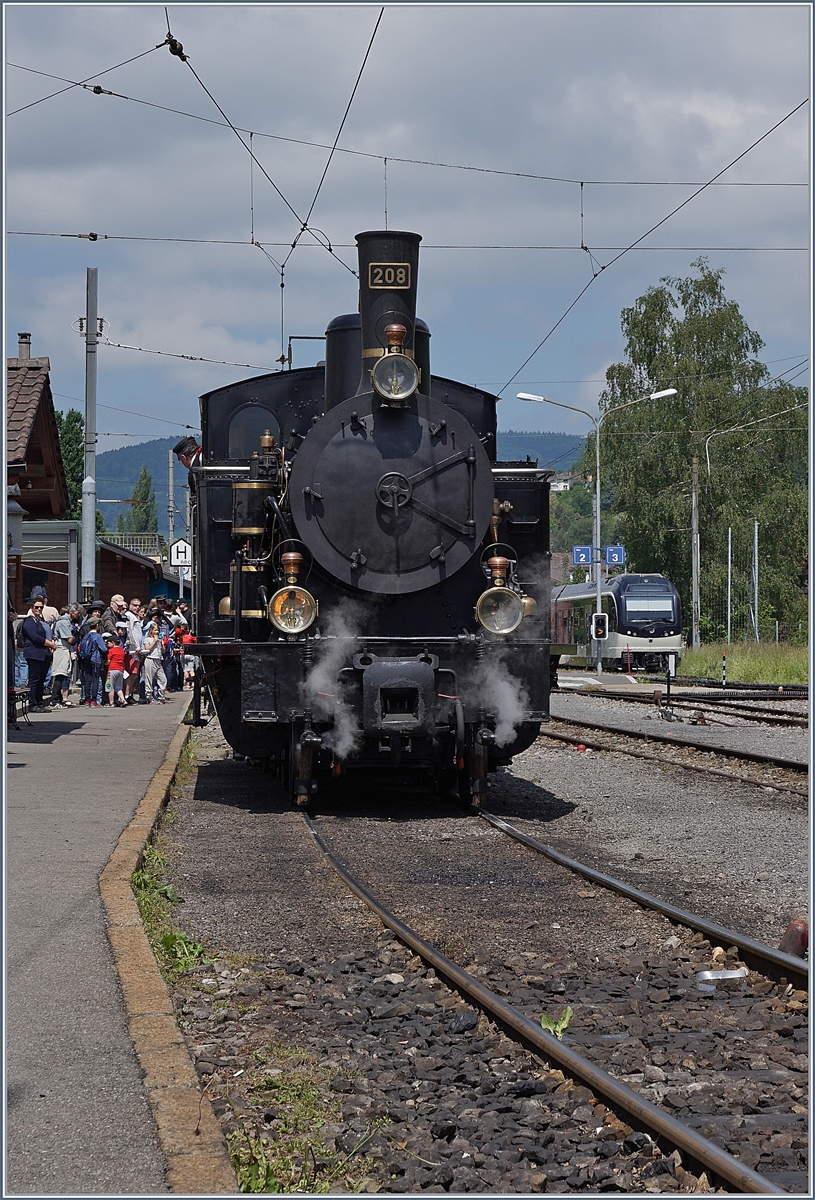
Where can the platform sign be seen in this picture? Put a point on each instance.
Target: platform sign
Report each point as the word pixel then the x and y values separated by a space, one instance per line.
pixel 581 556
pixel 614 556
pixel 181 554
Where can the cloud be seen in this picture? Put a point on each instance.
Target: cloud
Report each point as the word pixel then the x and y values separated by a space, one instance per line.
pixel 593 93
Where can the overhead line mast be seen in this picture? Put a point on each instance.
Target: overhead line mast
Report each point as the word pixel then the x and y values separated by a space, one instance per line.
pixel 89 480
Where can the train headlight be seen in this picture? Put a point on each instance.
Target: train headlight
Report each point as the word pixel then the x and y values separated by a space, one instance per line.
pixel 500 610
pixel 395 377
pixel 292 609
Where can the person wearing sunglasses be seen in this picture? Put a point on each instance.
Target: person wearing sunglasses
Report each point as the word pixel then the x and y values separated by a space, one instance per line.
pixel 38 648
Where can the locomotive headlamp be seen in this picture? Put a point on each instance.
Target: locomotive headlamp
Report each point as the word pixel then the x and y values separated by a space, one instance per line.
pixel 499 610
pixel 292 609
pixel 395 376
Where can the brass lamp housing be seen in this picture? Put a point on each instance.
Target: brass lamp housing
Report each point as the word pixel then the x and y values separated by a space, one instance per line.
pixel 292 609
pixel 384 371
pixel 499 610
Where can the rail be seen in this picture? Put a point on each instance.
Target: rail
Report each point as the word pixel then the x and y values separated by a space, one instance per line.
pixel 757 955
pixel 727 1168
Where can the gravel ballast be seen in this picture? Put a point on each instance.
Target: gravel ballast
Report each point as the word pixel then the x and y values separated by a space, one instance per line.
pixel 307 984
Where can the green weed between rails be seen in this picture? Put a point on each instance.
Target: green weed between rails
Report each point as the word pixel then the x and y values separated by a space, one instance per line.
pixel 558 1027
pixel 753 662
pixel 174 950
pixel 291 1157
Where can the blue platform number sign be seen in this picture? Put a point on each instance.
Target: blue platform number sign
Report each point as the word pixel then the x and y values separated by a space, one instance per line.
pixel 581 556
pixel 614 556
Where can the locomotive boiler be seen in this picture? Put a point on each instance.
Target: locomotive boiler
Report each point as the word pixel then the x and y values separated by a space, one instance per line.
pixel 373 586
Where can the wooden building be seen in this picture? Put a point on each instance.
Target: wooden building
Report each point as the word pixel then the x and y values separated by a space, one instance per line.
pixel 50 545
pixel 34 466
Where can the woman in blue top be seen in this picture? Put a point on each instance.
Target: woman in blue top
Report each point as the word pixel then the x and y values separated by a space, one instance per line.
pixel 37 650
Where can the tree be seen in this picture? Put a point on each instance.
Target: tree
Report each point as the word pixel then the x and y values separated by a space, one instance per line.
pixel 686 334
pixel 142 517
pixel 71 429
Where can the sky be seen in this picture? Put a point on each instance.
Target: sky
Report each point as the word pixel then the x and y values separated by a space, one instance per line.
pixel 641 103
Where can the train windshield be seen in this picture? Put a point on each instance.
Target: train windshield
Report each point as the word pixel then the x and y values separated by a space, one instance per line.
pixel 660 607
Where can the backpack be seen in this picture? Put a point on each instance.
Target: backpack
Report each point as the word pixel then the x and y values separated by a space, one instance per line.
pixel 19 636
pixel 86 646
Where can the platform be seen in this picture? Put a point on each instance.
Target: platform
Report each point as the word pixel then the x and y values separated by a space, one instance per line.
pixel 78 1120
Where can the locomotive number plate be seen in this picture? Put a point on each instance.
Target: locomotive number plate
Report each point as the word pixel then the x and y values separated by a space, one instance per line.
pixel 393 276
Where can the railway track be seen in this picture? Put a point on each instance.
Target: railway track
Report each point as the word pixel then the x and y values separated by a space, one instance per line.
pixel 788 691
pixel 777 772
pixel 631 1104
pixel 417 1091
pixel 711 705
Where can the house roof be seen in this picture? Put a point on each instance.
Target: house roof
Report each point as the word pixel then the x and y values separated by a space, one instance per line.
pixel 27 379
pixel 132 556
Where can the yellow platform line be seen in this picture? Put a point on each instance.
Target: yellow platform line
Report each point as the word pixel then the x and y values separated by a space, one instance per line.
pixel 191 1138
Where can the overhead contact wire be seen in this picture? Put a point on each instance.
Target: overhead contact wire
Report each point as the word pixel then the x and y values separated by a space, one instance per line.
pixel 83 82
pixel 672 213
pixel 337 138
pixel 278 137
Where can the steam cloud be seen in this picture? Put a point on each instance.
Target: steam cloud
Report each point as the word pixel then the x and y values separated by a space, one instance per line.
pixel 506 699
pixel 321 689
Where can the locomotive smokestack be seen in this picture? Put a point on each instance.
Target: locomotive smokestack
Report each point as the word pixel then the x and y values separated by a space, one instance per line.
pixel 388 267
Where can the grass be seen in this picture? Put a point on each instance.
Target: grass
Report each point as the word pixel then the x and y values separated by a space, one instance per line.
pixel 291 1158
pixel 174 950
pixel 762 662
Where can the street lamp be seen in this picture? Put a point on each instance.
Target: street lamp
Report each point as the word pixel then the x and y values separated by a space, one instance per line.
pixel 598 420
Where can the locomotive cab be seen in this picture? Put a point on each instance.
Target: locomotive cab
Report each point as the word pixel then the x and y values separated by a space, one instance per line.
pixel 373 587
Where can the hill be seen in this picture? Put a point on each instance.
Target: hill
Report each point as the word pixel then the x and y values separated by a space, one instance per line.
pixel 118 470
pixel 557 450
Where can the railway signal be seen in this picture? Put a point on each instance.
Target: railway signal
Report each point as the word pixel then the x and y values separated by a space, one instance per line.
pixel 599 626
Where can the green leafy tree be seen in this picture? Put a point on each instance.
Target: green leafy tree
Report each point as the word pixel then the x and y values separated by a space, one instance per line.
pixel 142 516
pixel 71 429
pixel 688 335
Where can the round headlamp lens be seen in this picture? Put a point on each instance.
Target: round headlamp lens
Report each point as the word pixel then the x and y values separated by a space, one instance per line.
pixel 395 377
pixel 499 610
pixel 292 609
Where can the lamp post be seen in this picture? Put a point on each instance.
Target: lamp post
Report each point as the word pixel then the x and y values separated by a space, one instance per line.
pixel 597 421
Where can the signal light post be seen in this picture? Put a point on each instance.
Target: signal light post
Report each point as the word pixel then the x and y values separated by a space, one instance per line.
pixel 597 421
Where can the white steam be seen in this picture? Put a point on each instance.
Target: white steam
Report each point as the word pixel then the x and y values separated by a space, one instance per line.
pixel 321 688
pixel 505 698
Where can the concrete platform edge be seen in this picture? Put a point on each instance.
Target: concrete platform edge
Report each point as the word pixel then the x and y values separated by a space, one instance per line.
pixel 193 1144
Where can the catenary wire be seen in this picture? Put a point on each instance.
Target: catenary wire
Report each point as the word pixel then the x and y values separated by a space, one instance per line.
pixel 674 378
pixel 635 243
pixel 190 357
pixel 314 233
pixel 337 138
pixel 80 84
pixel 244 241
pixel 130 412
pixel 416 161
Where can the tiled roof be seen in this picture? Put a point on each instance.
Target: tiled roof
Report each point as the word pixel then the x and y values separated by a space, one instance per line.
pixel 26 379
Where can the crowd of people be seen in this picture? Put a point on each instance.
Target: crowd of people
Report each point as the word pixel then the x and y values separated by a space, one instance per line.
pixel 116 654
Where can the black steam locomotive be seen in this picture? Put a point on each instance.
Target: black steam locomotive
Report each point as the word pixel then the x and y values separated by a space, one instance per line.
pixel 372 587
